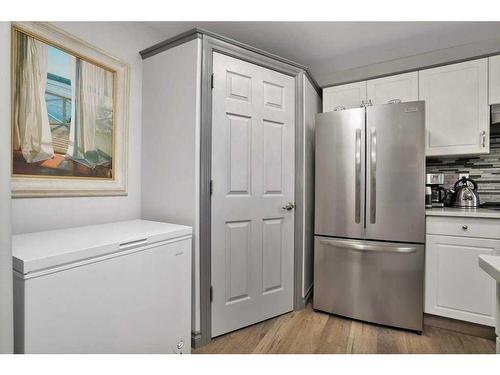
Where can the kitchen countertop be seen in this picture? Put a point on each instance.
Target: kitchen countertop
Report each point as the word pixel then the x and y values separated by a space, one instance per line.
pixel 491 265
pixel 463 212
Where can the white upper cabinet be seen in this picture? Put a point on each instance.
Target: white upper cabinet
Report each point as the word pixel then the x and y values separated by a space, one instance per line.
pixel 456 102
pixel 403 87
pixel 494 74
pixel 352 95
pixel 456 108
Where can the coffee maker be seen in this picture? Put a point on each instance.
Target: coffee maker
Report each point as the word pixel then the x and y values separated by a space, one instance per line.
pixel 434 190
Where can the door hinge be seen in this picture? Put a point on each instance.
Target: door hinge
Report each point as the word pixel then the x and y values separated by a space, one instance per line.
pixel 211 187
pixel 211 293
pixel 212 80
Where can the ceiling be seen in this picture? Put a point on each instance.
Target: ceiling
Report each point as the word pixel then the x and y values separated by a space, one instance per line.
pixel 342 51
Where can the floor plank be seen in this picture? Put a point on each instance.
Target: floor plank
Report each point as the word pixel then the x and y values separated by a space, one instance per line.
pixel 309 331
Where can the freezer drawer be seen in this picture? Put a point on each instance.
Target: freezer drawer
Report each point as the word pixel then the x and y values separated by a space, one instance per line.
pixel 375 281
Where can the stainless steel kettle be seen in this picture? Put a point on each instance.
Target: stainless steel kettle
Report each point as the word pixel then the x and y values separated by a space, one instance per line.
pixel 464 196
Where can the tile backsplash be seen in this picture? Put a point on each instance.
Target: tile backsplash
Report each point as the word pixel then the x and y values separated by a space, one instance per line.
pixel 484 169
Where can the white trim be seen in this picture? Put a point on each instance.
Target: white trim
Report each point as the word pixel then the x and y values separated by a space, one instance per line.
pixel 196 225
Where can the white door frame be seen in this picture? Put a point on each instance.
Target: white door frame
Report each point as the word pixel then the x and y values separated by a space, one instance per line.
pixel 237 50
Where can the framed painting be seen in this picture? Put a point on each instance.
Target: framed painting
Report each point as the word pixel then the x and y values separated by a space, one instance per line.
pixel 69 115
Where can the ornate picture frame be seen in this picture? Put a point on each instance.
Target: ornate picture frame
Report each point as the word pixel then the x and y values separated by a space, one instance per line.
pixel 87 153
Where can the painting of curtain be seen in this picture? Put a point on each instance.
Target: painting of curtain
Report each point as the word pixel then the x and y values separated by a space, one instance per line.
pixel 91 122
pixel 31 130
pixel 63 121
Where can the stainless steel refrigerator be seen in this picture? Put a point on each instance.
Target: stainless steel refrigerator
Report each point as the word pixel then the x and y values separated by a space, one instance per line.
pixel 370 214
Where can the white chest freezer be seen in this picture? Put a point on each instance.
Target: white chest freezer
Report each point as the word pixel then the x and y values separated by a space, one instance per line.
pixel 121 287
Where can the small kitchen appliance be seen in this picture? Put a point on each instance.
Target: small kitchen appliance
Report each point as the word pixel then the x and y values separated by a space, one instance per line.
pixel 428 197
pixel 435 181
pixel 465 195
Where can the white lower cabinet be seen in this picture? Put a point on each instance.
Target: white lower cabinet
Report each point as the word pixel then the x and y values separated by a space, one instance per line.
pixel 455 286
pixel 497 328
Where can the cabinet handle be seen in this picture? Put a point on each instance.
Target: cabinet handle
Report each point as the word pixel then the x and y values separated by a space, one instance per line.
pixel 483 137
pixel 465 227
pixel 394 101
pixel 367 103
pixel 339 108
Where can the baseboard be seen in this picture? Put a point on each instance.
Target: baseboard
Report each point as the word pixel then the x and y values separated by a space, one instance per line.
pixel 196 340
pixel 302 303
pixel 308 296
pixel 461 326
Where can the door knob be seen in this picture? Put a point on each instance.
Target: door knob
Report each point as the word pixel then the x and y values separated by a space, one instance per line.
pixel 289 206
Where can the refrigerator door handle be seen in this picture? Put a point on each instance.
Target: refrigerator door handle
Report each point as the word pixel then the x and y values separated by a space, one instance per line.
pixel 357 246
pixel 357 192
pixel 373 176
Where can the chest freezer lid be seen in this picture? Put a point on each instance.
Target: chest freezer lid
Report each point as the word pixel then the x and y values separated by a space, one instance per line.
pixel 43 250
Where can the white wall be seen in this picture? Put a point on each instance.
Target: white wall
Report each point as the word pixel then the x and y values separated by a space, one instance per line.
pixel 312 106
pixel 6 327
pixel 171 129
pixel 124 41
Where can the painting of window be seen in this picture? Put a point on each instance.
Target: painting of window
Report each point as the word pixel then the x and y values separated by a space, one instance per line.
pixel 62 112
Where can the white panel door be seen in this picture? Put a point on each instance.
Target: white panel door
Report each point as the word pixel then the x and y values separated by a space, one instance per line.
pixel 403 87
pixel 455 286
pixel 456 108
pixel 253 178
pixel 352 95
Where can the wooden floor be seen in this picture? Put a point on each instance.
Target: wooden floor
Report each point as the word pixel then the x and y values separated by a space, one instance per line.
pixel 308 331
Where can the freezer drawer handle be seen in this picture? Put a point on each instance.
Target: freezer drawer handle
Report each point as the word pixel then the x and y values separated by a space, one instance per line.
pixel 369 247
pixel 357 193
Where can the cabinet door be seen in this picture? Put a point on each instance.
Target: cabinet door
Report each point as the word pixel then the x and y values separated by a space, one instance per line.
pixel 455 286
pixel 351 95
pixel 456 108
pixel 494 77
pixel 403 87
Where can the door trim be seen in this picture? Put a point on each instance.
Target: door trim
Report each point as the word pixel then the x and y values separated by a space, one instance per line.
pixel 199 33
pixel 211 45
